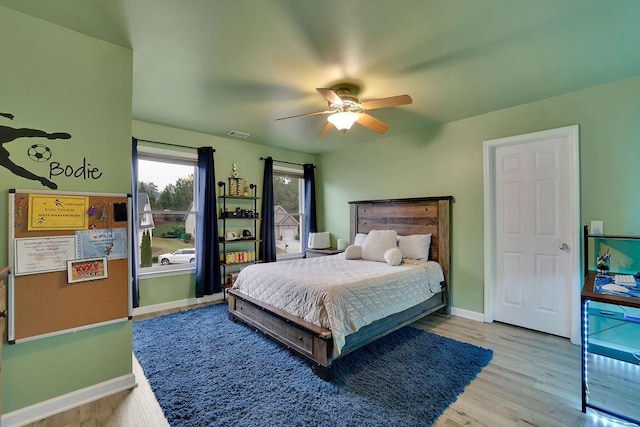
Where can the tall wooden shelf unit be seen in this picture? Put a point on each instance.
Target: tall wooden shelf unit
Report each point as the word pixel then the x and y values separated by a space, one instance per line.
pixel 244 216
pixel 610 345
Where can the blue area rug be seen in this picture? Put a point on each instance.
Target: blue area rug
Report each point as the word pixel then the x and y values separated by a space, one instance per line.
pixel 208 371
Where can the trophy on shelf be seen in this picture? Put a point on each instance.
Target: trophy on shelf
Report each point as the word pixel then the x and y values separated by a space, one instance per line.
pixel 603 263
pixel 236 185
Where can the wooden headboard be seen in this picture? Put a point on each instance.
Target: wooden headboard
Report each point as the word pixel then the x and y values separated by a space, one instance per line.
pixel 423 215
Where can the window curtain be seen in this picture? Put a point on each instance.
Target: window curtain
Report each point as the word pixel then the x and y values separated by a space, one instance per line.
pixel 310 221
pixel 267 225
pixel 208 279
pixel 135 263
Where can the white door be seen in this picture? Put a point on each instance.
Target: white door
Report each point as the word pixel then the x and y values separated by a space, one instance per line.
pixel 535 251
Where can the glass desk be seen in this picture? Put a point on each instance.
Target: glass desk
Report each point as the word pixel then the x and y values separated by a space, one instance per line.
pixel 610 349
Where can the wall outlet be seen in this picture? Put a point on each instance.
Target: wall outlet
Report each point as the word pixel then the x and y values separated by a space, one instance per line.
pixel 597 227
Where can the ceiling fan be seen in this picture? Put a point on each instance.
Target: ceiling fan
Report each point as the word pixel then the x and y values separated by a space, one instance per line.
pixel 346 109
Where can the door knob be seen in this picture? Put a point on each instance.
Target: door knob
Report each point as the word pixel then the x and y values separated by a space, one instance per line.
pixel 564 247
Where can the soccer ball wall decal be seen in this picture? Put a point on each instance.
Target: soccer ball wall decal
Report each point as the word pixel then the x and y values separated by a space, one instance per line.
pixel 39 153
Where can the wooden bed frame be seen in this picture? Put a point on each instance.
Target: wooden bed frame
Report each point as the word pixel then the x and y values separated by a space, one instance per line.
pixel 406 216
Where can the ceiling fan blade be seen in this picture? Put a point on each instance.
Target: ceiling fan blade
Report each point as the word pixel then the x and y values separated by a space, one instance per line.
pixel 372 123
pixel 307 114
pixel 386 102
pixel 325 130
pixel 330 95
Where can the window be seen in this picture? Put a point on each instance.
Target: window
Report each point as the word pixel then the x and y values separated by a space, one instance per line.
pixel 288 192
pixel 167 209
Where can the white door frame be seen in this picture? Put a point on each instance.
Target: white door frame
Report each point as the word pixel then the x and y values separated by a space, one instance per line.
pixel 489 149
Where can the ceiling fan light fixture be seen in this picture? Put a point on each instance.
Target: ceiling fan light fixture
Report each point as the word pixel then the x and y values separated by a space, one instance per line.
pixel 343 120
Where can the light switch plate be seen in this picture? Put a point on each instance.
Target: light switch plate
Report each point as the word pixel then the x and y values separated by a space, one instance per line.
pixel 597 227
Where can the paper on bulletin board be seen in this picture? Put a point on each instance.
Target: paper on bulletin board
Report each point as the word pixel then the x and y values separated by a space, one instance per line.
pixel 43 254
pixel 52 212
pixel 102 242
pixel 82 270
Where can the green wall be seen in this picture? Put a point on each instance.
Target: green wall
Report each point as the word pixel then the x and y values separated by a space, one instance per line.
pixel 447 160
pixel 158 290
pixel 57 80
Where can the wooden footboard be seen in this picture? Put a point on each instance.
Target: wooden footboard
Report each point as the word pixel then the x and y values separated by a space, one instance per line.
pixel 314 342
pixel 309 340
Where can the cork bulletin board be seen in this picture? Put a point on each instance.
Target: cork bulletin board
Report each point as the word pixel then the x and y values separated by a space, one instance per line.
pixel 69 254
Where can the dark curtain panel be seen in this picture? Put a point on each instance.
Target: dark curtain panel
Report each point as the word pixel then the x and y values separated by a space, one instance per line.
pixel 310 221
pixel 207 249
pixel 267 225
pixel 135 245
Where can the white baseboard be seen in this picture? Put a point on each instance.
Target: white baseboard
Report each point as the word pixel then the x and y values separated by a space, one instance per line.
pixel 467 314
pixel 67 401
pixel 147 309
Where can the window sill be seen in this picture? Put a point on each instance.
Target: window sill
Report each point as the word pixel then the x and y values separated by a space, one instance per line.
pixel 152 272
pixel 288 257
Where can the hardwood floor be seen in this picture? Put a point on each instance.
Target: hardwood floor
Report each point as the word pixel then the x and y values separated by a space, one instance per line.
pixel 133 408
pixel 533 380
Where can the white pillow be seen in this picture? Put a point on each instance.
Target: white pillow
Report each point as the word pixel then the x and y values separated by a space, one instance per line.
pixel 359 239
pixel 393 256
pixel 377 243
pixel 415 246
pixel 353 252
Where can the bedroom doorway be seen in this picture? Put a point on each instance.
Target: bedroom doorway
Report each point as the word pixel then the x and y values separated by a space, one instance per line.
pixel 532 231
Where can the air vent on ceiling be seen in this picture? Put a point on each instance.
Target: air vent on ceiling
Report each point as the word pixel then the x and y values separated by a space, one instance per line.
pixel 238 134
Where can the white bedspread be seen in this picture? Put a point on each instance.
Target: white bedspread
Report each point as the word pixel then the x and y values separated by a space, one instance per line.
pixel 339 294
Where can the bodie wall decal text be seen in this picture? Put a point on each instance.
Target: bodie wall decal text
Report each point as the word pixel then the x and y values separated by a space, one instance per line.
pixel 41 153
